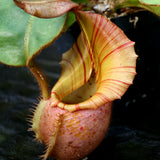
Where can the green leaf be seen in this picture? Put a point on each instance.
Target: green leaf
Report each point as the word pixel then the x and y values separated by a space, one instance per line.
pixel 22 35
pixel 150 5
pixel 151 2
pixel 70 20
pixel 81 1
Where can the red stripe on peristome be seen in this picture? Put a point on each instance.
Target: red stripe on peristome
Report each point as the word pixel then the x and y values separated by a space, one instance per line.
pixel 127 44
pixel 124 67
pixel 108 42
pixel 122 72
pixel 84 66
pixel 94 103
pixel 89 59
pixel 77 107
pixel 97 30
pixel 116 80
pixel 89 50
pixel 55 94
pixel 114 87
pixel 64 106
pixel 56 104
pixel 114 90
pixel 94 29
pixel 113 38
pixel 104 26
pixel 102 96
pixel 109 70
pixel 114 83
pixel 112 29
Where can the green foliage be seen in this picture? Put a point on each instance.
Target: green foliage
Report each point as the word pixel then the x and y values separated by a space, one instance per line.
pixel 70 20
pixel 22 35
pixel 81 1
pixel 151 2
pixel 150 5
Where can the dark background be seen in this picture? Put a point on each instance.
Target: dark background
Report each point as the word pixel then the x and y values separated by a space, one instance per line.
pixel 134 132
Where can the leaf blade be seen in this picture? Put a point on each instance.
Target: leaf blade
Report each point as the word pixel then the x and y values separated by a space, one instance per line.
pixel 14 24
pixel 152 6
pixel 153 2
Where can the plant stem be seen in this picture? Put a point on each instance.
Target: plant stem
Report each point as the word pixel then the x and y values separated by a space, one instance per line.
pixel 40 78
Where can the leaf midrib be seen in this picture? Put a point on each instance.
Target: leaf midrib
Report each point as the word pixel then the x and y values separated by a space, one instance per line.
pixel 27 37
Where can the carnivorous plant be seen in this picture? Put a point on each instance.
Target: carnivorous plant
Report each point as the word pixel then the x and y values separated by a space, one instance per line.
pixel 72 118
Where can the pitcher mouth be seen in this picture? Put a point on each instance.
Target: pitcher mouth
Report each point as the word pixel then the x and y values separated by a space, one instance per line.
pixel 83 93
pixel 80 95
pixel 103 47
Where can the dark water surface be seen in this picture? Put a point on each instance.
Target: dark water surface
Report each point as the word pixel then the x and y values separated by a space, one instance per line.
pixel 134 133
